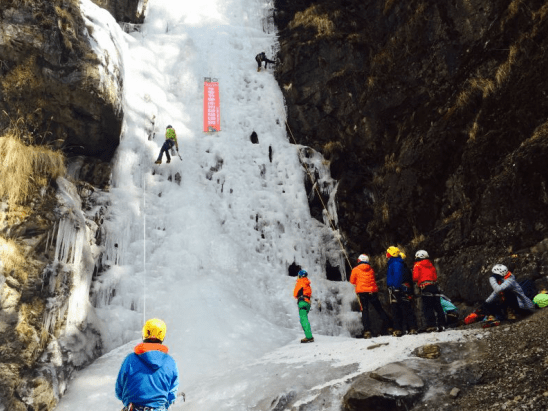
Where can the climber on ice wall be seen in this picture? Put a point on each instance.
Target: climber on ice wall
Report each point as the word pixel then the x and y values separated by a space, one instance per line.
pixel 259 58
pixel 171 140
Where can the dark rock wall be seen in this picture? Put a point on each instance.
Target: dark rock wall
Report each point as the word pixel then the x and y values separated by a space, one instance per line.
pixel 433 116
pixel 125 11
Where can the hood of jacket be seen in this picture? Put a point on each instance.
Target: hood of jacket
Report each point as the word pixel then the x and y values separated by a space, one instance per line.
pixel 153 355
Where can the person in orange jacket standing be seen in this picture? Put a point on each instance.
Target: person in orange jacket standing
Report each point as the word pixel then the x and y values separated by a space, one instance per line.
pixel 303 293
pixel 426 277
pixel 363 277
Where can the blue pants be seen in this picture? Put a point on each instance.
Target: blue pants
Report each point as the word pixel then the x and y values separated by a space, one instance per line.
pixel 168 144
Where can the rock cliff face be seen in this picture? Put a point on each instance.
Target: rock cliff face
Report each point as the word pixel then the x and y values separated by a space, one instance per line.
pixel 58 91
pixel 433 118
pixel 52 79
pixel 126 11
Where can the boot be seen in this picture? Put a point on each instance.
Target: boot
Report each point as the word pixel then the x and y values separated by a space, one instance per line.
pixel 158 162
pixel 413 332
pixel 168 160
pixel 367 335
pixel 307 340
pixel 396 333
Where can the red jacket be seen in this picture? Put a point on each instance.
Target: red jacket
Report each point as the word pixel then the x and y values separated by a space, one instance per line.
pixel 424 270
pixel 363 277
pixel 303 283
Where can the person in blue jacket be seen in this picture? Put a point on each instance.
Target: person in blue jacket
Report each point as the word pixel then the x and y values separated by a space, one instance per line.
pixel 400 291
pixel 149 378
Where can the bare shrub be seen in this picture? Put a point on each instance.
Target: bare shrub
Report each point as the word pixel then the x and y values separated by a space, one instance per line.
pixel 25 168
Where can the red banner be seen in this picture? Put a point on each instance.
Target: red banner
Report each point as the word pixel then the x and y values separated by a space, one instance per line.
pixel 212 106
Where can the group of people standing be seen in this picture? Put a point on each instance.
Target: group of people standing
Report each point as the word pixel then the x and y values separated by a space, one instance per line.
pixel 507 300
pixel 399 281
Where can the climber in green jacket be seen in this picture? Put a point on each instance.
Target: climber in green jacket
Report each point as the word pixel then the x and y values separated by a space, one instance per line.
pixel 171 140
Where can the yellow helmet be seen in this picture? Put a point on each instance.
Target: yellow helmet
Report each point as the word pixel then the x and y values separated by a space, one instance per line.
pixel 392 252
pixel 154 329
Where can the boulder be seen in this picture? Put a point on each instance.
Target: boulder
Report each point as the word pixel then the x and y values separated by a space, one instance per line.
pixel 392 387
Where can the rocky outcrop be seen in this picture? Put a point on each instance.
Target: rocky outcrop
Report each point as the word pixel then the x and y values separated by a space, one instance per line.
pixel 54 83
pixel 125 11
pixel 392 387
pixel 49 252
pixel 432 116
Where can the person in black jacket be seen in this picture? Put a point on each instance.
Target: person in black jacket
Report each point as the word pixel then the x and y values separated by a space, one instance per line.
pixel 259 58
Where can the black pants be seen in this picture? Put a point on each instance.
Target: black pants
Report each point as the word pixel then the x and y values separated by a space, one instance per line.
pixel 499 307
pixel 266 61
pixel 403 314
pixel 168 144
pixel 431 307
pixel 373 299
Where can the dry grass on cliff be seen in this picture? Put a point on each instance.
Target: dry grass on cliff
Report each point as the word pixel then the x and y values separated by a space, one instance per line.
pixel 313 18
pixel 10 255
pixel 25 168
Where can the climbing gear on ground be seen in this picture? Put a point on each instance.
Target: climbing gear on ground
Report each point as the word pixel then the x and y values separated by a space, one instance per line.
pixel 367 335
pixel 302 274
pixel 510 314
pixel 490 321
pixel 421 255
pixel 363 258
pixel 307 340
pixel 499 269
pixel 154 329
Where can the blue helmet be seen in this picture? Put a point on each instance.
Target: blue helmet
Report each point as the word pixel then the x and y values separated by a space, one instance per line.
pixel 303 273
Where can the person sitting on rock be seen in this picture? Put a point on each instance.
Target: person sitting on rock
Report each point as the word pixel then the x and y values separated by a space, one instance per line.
pixel 363 277
pixel 171 140
pixel 259 58
pixel 426 277
pixel 507 298
pixel 400 290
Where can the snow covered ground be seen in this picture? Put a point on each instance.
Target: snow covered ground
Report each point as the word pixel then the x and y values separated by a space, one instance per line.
pixel 209 254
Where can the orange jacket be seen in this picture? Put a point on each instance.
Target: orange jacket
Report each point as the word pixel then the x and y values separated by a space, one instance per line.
pixel 424 270
pixel 303 283
pixel 363 277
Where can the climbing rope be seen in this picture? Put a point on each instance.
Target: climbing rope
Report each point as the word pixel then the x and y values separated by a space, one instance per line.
pixel 315 187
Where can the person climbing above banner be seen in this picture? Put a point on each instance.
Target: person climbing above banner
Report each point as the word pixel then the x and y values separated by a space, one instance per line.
pixel 426 277
pixel 171 140
pixel 363 277
pixel 259 58
pixel 400 291
pixel 148 378
pixel 303 293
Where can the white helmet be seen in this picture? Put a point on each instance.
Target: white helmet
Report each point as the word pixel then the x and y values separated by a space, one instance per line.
pixel 363 258
pixel 421 255
pixel 499 269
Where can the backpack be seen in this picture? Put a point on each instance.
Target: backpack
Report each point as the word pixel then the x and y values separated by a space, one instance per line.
pixel 529 288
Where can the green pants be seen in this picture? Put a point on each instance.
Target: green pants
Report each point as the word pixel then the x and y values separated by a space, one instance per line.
pixel 304 308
